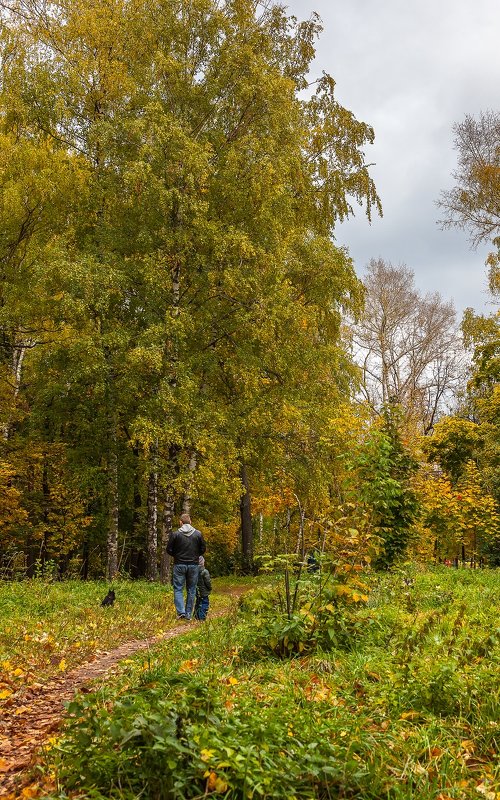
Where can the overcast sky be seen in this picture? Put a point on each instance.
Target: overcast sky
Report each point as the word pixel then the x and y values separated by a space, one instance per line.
pixel 412 69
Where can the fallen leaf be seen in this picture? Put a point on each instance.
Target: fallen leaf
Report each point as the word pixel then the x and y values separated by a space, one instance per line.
pixel 410 715
pixel 31 791
pixel 21 710
pixel 189 665
pixel 482 789
pixel 211 781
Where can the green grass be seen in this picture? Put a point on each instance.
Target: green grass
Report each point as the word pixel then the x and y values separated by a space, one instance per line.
pixel 49 628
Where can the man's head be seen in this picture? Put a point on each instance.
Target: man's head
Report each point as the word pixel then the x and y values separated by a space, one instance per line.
pixel 185 519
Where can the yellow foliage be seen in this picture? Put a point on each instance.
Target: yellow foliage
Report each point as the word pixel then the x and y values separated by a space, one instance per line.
pixel 11 512
pixel 454 516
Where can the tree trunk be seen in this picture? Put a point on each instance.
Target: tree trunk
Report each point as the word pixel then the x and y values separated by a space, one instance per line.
pixel 45 514
pixel 136 516
pixel 276 542
pixel 85 560
pixel 246 522
pixel 152 535
pixel 300 548
pixel 187 499
pixel 18 353
pixel 113 500
pixel 166 530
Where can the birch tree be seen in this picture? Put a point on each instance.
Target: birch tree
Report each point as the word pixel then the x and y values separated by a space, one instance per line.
pixel 407 345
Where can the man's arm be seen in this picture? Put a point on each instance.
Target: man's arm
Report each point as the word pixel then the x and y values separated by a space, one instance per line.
pixel 203 546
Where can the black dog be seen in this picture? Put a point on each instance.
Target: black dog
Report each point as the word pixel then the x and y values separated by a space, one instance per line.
pixel 109 599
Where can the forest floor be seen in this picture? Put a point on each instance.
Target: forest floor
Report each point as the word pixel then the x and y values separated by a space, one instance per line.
pixel 32 713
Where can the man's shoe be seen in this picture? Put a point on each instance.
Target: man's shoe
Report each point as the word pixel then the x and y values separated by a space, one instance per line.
pixel 181 616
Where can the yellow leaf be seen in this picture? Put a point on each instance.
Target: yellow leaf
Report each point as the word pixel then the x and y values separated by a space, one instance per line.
pixel 5 693
pixel 62 665
pixel 31 791
pixel 206 755
pixel 233 681
pixel 220 785
pixel 409 715
pixel 211 781
pixel 18 672
pixel 189 665
pixel 4 767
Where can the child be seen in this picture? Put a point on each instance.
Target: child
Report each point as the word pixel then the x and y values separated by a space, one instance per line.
pixel 203 590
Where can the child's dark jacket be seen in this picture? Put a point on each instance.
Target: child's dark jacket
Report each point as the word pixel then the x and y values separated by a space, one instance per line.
pixel 204 586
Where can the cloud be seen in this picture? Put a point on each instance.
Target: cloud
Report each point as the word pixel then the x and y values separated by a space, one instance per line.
pixel 412 71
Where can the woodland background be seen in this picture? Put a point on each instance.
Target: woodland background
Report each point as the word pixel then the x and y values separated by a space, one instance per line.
pixel 179 330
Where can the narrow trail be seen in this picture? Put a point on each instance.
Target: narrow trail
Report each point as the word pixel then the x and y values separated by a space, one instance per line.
pixel 25 729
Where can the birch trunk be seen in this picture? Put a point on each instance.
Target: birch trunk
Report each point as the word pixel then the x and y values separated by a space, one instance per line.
pixel 18 353
pixel 187 499
pixel 300 548
pixel 166 530
pixel 152 526
pixel 246 522
pixel 112 541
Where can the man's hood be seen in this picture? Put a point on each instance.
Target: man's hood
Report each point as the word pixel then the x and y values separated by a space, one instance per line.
pixel 187 529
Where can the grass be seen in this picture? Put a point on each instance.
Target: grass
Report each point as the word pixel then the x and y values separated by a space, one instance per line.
pixel 409 710
pixel 49 628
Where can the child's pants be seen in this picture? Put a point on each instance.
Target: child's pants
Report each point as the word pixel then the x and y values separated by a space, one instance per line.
pixel 201 607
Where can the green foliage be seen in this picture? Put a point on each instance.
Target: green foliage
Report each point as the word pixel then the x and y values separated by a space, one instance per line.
pixel 453 443
pixel 305 613
pixel 383 467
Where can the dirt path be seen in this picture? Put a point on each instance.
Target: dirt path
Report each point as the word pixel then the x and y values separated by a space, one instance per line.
pixel 26 727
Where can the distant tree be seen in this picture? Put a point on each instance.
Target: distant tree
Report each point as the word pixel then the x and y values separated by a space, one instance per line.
pixel 473 204
pixel 454 442
pixel 407 345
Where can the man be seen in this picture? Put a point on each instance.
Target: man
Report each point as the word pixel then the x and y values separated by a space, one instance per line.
pixel 185 545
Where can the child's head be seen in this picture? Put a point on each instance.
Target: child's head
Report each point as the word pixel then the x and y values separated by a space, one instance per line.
pixel 201 562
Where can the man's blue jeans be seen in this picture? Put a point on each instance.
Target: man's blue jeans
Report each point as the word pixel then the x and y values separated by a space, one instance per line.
pixel 185 576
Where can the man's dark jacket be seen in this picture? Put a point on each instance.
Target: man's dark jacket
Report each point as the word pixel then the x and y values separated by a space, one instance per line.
pixel 186 545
